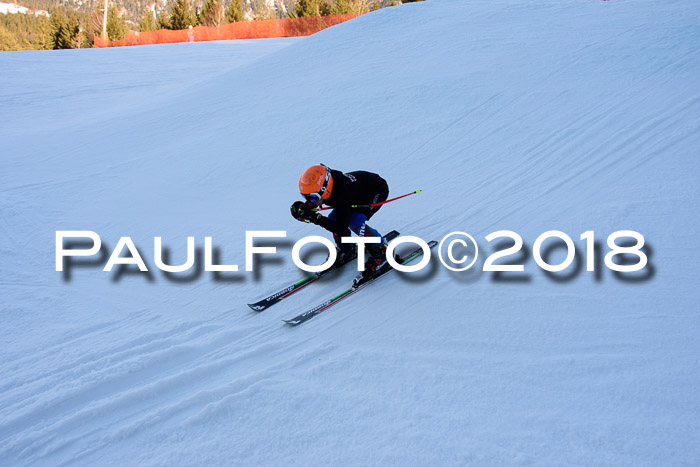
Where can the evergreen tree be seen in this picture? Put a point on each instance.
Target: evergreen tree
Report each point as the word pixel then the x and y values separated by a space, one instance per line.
pixel 235 11
pixel 64 29
pixel 163 21
pixel 312 8
pixel 212 13
pixel 116 25
pixel 182 15
pixel 350 6
pixel 76 23
pixel 148 23
pixel 25 32
pixel 8 40
pixel 40 36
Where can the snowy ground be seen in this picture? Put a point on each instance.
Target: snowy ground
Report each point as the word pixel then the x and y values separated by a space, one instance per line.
pixel 510 115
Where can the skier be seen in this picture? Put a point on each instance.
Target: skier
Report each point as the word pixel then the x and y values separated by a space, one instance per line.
pixel 350 195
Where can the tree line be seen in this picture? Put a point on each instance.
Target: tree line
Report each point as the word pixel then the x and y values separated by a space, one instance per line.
pixel 69 29
pixel 65 29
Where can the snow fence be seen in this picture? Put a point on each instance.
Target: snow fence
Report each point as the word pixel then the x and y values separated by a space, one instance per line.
pixel 288 27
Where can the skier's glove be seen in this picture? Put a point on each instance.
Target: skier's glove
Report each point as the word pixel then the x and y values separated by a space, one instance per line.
pixel 305 212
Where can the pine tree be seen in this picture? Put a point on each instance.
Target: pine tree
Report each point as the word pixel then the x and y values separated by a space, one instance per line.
pixel 212 13
pixel 25 32
pixel 148 22
pixel 64 29
pixel 163 21
pixel 235 11
pixel 8 40
pixel 312 8
pixel 116 25
pixel 182 15
pixel 41 35
pixel 350 6
pixel 76 23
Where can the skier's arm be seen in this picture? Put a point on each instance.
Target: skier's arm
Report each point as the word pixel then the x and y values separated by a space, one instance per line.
pixel 340 225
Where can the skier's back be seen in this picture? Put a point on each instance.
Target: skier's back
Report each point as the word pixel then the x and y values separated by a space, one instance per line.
pixel 351 196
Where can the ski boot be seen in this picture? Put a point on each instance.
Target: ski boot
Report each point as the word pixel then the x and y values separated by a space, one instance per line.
pixel 344 253
pixel 375 261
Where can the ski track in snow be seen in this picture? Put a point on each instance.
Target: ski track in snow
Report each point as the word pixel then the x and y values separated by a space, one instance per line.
pixel 571 116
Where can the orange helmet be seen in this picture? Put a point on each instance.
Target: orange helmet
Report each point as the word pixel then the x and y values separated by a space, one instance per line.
pixel 316 179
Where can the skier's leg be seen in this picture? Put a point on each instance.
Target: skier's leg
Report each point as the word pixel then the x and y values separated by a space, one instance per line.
pixel 376 251
pixel 345 250
pixel 336 237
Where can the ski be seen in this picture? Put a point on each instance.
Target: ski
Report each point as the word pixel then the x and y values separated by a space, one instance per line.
pixel 280 295
pixel 307 315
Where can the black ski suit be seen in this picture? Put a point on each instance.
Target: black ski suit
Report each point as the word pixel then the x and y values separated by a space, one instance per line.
pixel 349 189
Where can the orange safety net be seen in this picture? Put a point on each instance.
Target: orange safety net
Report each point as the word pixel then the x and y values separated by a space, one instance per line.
pixel 289 27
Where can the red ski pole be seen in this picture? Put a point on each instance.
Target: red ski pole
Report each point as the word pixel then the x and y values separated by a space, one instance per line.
pixel 377 204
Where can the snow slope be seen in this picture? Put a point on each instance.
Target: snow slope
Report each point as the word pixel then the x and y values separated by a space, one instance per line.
pixel 524 116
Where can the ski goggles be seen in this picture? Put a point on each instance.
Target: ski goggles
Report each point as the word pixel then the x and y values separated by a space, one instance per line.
pixel 312 197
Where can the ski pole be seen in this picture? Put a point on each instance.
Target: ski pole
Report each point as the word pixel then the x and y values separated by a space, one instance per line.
pixel 377 204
